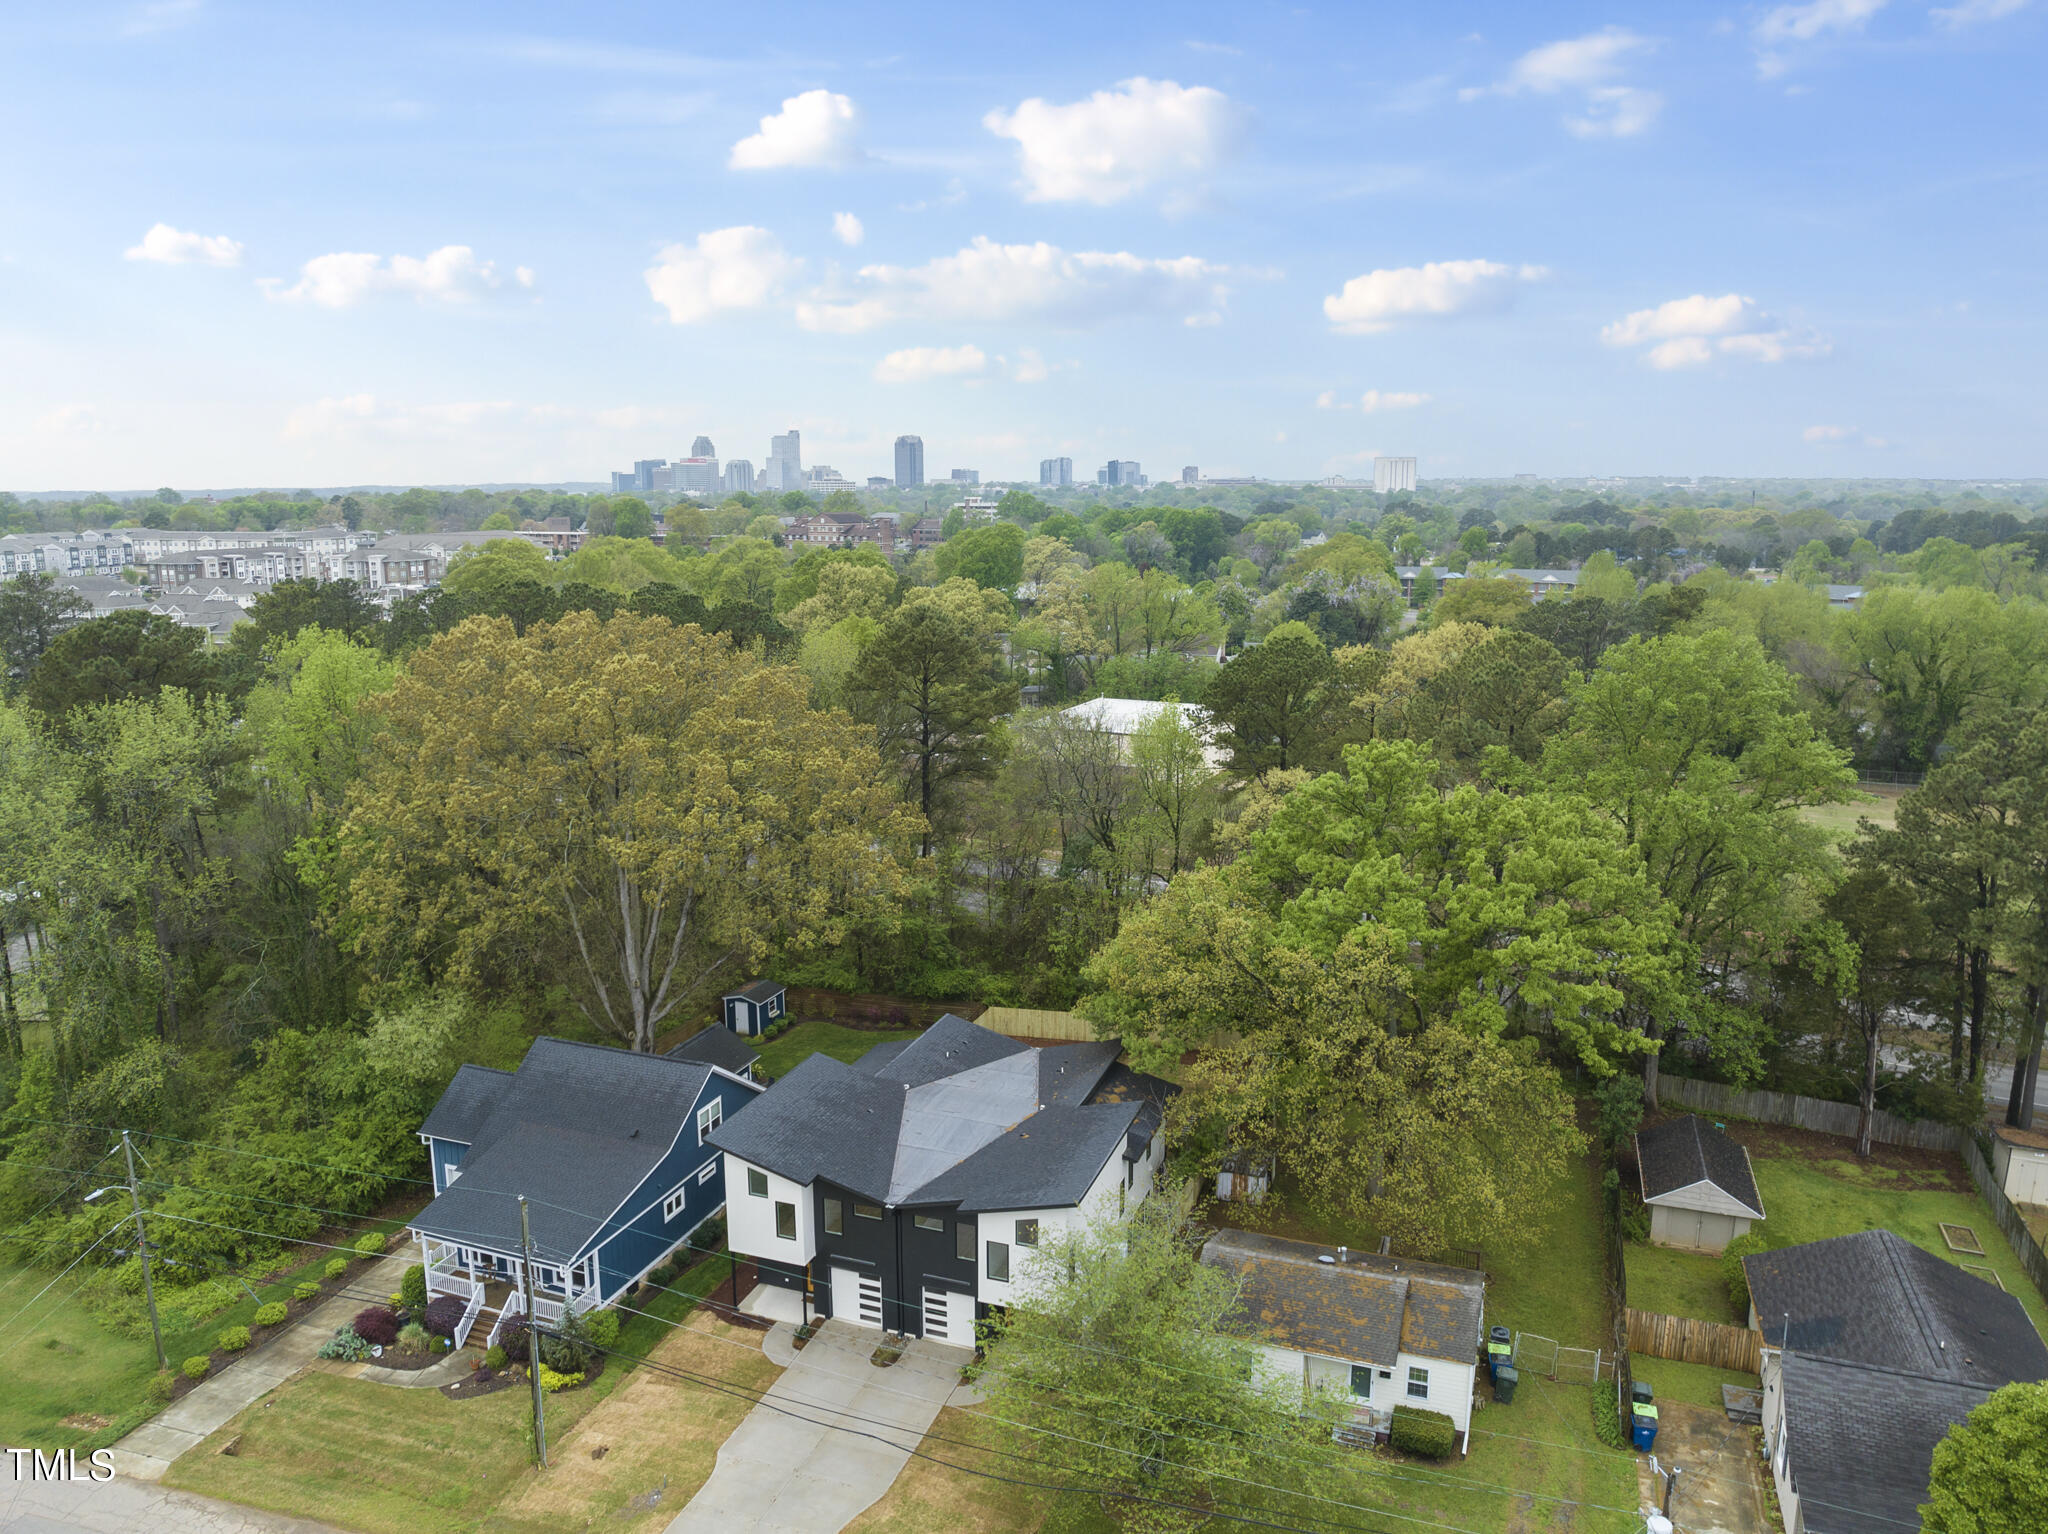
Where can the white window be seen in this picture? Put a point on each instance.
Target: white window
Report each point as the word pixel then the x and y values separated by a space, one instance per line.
pixel 449 1173
pixel 707 1171
pixel 709 1117
pixel 1418 1384
pixel 673 1204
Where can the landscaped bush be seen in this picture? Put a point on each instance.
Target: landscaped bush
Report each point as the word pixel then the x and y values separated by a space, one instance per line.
pixel 371 1245
pixel 443 1315
pixel 233 1339
pixel 197 1366
pixel 513 1340
pixel 603 1328
pixel 551 1381
pixel 306 1290
pixel 345 1345
pixel 414 1338
pixel 1428 1433
pixel 664 1275
pixel 1606 1417
pixel 494 1358
pixel 567 1347
pixel 1731 1268
pixel 377 1325
pixel 158 1391
pixel 412 1289
pixel 271 1314
pixel 336 1266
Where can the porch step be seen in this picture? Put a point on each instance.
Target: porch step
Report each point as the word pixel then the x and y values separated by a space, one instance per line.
pixel 1357 1437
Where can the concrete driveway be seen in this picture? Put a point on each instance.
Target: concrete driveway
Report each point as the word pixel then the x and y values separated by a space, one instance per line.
pixel 122 1506
pixel 827 1439
pixel 1722 1490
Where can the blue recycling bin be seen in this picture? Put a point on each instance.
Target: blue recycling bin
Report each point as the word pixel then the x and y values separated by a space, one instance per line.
pixel 1643 1421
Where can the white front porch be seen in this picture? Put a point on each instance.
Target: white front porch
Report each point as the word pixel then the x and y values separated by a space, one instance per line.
pixel 492 1285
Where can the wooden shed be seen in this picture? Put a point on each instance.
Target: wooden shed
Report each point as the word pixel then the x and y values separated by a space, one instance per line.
pixel 1698 1183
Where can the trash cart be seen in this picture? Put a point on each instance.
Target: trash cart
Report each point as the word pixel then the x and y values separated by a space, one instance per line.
pixel 1504 1380
pixel 1500 1348
pixel 1643 1420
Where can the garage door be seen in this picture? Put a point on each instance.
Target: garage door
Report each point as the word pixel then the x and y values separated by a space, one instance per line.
pixel 949 1317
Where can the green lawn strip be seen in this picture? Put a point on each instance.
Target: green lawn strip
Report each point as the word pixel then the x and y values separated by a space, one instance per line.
pixel 1673 1283
pixel 782 1054
pixel 1699 1384
pixel 1542 1445
pixel 1813 1200
pixel 1551 1285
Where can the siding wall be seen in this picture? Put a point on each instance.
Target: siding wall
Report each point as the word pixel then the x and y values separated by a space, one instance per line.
pixel 442 1154
pixel 750 1221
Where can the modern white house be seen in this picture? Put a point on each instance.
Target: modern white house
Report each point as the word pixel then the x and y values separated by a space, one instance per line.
pixel 1698 1184
pixel 2019 1160
pixel 1378 1331
pixel 907 1191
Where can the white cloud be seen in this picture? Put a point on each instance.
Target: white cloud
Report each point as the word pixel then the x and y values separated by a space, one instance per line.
pixel 1970 12
pixel 817 128
pixel 1589 64
pixel 917 364
pixel 450 275
pixel 1029 367
pixel 1118 142
pixel 1436 290
pixel 1328 400
pixel 848 228
pixel 1689 332
pixel 1615 111
pixel 1802 23
pixel 1375 400
pixel 739 268
pixel 1828 433
pixel 75 420
pixel 178 247
pixel 523 275
pixel 1041 283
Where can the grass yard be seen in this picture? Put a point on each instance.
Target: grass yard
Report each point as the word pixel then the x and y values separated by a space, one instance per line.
pixel 781 1055
pixel 1699 1384
pixel 1674 1283
pixel 1840 820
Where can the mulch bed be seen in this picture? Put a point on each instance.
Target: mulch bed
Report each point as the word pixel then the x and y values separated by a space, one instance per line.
pixel 484 1382
pixel 1920 1170
pixel 397 1358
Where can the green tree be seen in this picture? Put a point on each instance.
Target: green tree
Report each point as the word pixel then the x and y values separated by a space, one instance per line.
pixel 1175 788
pixel 1495 600
pixel 481 572
pixel 309 724
pixel 1868 952
pixel 496 522
pixel 1506 692
pixel 125 655
pixel 1990 1474
pixel 1928 662
pixel 1273 705
pixel 34 610
pixel 666 803
pixel 991 556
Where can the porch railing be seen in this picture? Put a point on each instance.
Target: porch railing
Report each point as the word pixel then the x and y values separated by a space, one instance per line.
pixel 510 1310
pixel 469 1315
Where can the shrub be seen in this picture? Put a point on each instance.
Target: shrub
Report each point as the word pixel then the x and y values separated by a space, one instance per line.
pixel 1428 1433
pixel 603 1328
pixel 513 1340
pixel 371 1245
pixel 158 1391
pixel 197 1366
pixel 443 1315
pixel 567 1347
pixel 664 1275
pixel 233 1339
pixel 412 1289
pixel 495 1359
pixel 377 1325
pixel 271 1314
pixel 414 1338
pixel 336 1266
pixel 1606 1416
pixel 306 1291
pixel 551 1381
pixel 1731 1268
pixel 345 1345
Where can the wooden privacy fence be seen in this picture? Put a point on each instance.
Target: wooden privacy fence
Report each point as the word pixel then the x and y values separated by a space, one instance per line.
pixel 2017 1236
pixel 1805 1113
pixel 1694 1342
pixel 1027 1023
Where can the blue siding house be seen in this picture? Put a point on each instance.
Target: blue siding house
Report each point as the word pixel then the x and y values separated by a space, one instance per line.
pixel 611 1151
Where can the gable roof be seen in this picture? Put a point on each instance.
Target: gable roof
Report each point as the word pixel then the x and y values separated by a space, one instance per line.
pixel 959 1115
pixel 1861 1440
pixel 1685 1152
pixel 1875 1298
pixel 760 990
pixel 576 1129
pixel 1367 1308
pixel 719 1046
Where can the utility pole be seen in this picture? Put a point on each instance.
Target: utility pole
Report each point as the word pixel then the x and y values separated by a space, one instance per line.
pixel 540 1426
pixel 142 1250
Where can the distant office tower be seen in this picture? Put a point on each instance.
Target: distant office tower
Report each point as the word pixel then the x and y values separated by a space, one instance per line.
pixel 1119 471
pixel 644 470
pixel 1191 475
pixel 702 448
pixel 967 476
pixel 909 462
pixel 621 483
pixel 695 476
pixel 785 467
pixel 739 476
pixel 1055 471
pixel 1391 474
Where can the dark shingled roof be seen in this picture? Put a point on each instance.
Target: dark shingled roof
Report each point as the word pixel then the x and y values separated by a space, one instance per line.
pixel 760 990
pixel 1875 1298
pixel 468 1101
pixel 719 1046
pixel 576 1129
pixel 958 1115
pixel 1683 1151
pixel 1367 1308
pixel 1861 1440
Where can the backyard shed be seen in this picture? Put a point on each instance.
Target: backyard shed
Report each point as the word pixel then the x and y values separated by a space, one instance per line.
pixel 2019 1160
pixel 752 1008
pixel 1698 1185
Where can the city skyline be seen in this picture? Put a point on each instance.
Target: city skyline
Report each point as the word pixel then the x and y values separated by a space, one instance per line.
pixel 1580 242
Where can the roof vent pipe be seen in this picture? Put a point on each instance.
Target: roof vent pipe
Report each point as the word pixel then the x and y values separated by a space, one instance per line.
pixel 1343 1254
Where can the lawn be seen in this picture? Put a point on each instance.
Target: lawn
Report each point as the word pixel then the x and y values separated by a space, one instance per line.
pixel 1840 820
pixel 1698 1383
pixel 394 1461
pixel 782 1054
pixel 1673 1283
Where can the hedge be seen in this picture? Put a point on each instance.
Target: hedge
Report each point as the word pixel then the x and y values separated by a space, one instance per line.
pixel 271 1314
pixel 371 1245
pixel 196 1366
pixel 1428 1433
pixel 377 1325
pixel 233 1339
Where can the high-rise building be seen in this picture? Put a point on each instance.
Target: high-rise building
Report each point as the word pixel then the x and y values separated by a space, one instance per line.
pixel 785 467
pixel 644 470
pixel 702 448
pixel 1191 475
pixel 967 476
pixel 909 462
pixel 739 476
pixel 695 476
pixel 1055 471
pixel 1119 471
pixel 1391 474
pixel 621 482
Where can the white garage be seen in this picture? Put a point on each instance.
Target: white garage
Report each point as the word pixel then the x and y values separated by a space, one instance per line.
pixel 2019 1160
pixel 1697 1183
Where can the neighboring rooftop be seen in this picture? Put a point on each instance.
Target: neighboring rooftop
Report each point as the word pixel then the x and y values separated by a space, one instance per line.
pixel 760 990
pixel 1362 1306
pixel 1875 1298
pixel 1688 1153
pixel 2032 1139
pixel 719 1046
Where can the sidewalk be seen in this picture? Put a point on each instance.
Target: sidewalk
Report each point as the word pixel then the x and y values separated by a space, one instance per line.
pixel 146 1453
pixel 122 1507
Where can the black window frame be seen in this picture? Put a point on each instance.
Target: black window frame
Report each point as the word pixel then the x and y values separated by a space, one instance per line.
pixel 995 1247
pixel 866 1211
pixel 929 1221
pixel 966 1242
pixel 1024 1226
pixel 757 1183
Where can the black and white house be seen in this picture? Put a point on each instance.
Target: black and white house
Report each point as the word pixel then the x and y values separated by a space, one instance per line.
pixel 908 1190
pixel 611 1150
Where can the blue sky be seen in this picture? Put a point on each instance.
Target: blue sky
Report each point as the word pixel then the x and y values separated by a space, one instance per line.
pixel 260 244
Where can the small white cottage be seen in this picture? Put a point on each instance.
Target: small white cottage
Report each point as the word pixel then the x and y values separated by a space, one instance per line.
pixel 2019 1160
pixel 1698 1184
